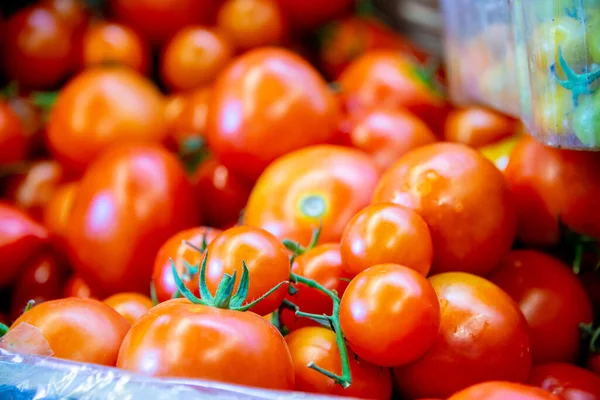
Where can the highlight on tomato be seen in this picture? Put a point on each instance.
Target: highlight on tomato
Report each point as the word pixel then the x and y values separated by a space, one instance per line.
pixel 477 126
pixel 131 306
pixel 567 381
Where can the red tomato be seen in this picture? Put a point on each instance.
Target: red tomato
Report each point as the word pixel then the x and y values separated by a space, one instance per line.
pixel 323 264
pixel 308 14
pixel 552 300
pixel 32 122
pixel 72 12
pixel 20 238
pixel 57 212
pixel 463 198
pixel 186 116
pixel 265 256
pixel 477 127
pixel 549 183
pixel 591 282
pixel 320 183
pixel 38 48
pixel 483 337
pixel 386 233
pixel 175 248
pixel 502 391
pixel 130 305
pixel 102 107
pixel 77 287
pixel 193 341
pixel 129 202
pixel 262 95
pixel 593 363
pixel 566 381
pixel 318 345
pixel 14 142
pixel 82 330
pixel 388 134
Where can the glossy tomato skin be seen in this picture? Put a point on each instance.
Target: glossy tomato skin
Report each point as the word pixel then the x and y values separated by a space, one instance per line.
pixel 566 381
pixel 14 143
pixel 265 256
pixel 20 238
pixel 175 248
pixel 56 215
pixel 317 344
pixel 502 391
pixel 463 198
pixel 593 363
pixel 130 305
pixel 128 203
pixel 483 337
pixel 307 14
pixel 321 183
pixel 552 300
pixel 477 127
pixel 73 13
pixel 215 344
pixel 186 115
pixel 77 287
pixel 262 95
pixel 100 108
pixel 549 183
pixel 386 233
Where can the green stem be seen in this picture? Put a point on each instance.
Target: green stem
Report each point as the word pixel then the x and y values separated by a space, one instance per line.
pixel 578 258
pixel 153 296
pixel 3 329
pixel 29 305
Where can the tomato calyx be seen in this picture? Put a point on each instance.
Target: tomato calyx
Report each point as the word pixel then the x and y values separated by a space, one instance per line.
pixel 192 152
pixel 591 334
pixel 578 84
pixel 576 246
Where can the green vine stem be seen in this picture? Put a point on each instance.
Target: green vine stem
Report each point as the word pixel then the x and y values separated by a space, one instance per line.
pixel 578 84
pixel 297 249
pixel 592 334
pixel 3 329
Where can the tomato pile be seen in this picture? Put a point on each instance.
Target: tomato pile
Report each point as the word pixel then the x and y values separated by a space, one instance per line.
pixel 278 194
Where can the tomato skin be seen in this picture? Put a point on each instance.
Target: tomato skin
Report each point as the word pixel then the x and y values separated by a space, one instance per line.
pixel 129 202
pixel 483 337
pixel 477 126
pixel 323 264
pixel 215 344
pixel 14 143
pixel 318 345
pixel 130 305
pixel 72 12
pixel 175 249
pixel 593 363
pixel 307 14
pixel 499 152
pixel 186 115
pixel 100 108
pixel 552 300
pixel 548 183
pixel 20 238
pixel 502 391
pixel 386 233
pixel 566 381
pixel 265 256
pixel 252 105
pixel 57 212
pixel 77 287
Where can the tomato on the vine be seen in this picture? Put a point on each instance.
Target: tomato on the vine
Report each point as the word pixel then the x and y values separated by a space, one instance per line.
pixel 76 286
pixel 131 306
pixel 502 391
pixel 566 381
pixel 477 126
pixel 14 141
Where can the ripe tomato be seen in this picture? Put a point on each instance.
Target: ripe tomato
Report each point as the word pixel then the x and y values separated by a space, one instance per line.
pixel 129 202
pixel 100 108
pixel 308 14
pixel 265 256
pixel 195 341
pixel 83 330
pixel 158 20
pixel 552 300
pixel 549 184
pixel 563 32
pixel 252 23
pixel 262 94
pixel 483 337
pixel 20 238
pixel 14 143
pixel 318 345
pixel 593 363
pixel 72 12
pixel 327 184
pixel 186 116
pixel 386 233
pixel 57 212
pixel 175 248
pixel 38 48
pixel 387 134
pixel 323 264
pixel 477 126
pixel 502 391
pixel 76 286
pixel 566 381
pixel 464 200
pixel 499 152
pixel 130 305
pixel 113 43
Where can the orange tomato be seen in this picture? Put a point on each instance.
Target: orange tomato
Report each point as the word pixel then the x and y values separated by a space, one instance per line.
pixel 186 115
pixel 502 391
pixel 477 127
pixel 79 288
pixel 57 212
pixel 131 306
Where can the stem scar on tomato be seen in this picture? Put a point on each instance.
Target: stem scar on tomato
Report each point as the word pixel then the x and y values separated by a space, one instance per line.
pixel 578 84
pixel 313 206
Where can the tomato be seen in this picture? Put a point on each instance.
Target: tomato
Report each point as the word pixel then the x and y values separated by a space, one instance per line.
pixel 14 143
pixel 175 248
pixel 76 286
pixel 593 363
pixel 57 212
pixel 321 184
pixel 158 20
pixel 252 23
pixel 82 330
pixel 265 256
pixel 323 264
pixel 72 12
pixel 308 14
pixel 388 134
pixel 195 341
pixel 32 121
pixel 386 233
pixel 264 93
pixel 130 305
pixel 591 281
pixel 549 183
pixel 483 337
pixel 566 381
pixel 20 238
pixel 565 33
pixel 477 126
pixel 318 345
pixel 464 200
pixel 552 300
pixel 499 152
pixel 128 203
pixel 186 116
pixel 554 110
pixel 113 43
pixel 102 107
pixel 586 123
pixel 502 391
pixel 38 48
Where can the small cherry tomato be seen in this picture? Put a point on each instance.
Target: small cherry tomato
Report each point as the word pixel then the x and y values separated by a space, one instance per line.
pixel 194 341
pixel 502 391
pixel 77 287
pixel 566 381
pixel 320 184
pixel 317 345
pixel 74 13
pixel 565 33
pixel 14 142
pixel 186 116
pixel 477 127
pixel 308 14
pixel 130 305
pixel 483 337
pixel 499 152
pixel 386 233
pixel 57 212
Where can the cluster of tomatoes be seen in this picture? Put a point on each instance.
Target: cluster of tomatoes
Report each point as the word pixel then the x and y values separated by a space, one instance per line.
pixel 277 193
